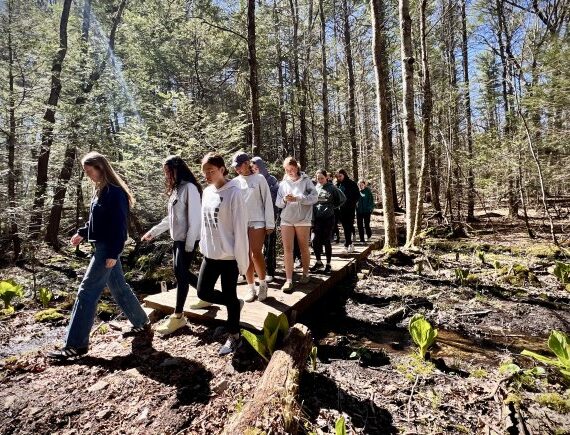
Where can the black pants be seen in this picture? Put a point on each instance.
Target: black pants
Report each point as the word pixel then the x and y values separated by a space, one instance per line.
pixel 363 222
pixel 336 232
pixel 347 221
pixel 210 271
pixel 323 229
pixel 184 278
pixel 269 252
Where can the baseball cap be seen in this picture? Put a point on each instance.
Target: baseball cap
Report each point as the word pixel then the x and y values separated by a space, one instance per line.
pixel 239 159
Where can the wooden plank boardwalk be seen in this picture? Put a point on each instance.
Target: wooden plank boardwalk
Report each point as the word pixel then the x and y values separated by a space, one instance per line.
pixel 254 313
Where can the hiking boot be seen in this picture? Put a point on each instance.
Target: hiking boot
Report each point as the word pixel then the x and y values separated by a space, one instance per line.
pixel 230 345
pixel 287 287
pixel 67 352
pixel 327 269
pixel 250 294
pixel 318 265
pixel 262 293
pixel 200 305
pixel 171 324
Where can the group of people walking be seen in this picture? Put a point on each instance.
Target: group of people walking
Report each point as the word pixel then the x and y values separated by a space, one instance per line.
pixel 233 223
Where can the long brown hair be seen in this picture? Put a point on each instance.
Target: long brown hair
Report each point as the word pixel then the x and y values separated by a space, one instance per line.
pixel 108 174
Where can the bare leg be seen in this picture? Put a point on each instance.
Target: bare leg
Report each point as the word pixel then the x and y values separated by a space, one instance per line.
pixel 303 236
pixel 257 263
pixel 288 237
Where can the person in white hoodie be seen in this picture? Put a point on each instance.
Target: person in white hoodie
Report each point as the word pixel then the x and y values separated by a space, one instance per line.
pixel 261 221
pixel 296 196
pixel 224 244
pixel 183 220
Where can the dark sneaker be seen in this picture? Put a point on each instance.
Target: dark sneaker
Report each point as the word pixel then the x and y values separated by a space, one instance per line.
pixel 67 353
pixel 327 269
pixel 138 330
pixel 318 265
pixel 230 345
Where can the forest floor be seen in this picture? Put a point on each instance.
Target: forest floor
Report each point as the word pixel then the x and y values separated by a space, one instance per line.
pixel 476 381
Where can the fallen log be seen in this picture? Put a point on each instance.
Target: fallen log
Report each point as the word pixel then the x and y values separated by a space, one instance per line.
pixel 274 401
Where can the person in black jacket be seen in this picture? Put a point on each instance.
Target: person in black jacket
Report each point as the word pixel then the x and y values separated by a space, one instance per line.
pixel 107 230
pixel 348 209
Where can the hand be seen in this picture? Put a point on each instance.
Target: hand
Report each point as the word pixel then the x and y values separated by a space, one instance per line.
pixel 147 237
pixel 110 263
pixel 269 230
pixel 76 239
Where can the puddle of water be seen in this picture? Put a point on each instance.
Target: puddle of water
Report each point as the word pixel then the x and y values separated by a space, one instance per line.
pixel 31 339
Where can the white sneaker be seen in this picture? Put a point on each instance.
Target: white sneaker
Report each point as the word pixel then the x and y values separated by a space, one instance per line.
pixel 171 324
pixel 241 279
pixel 250 294
pixel 200 305
pixel 350 249
pixel 268 278
pixel 262 293
pixel 345 250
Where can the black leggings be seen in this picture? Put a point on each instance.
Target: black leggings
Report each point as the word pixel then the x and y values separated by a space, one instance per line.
pixel 269 251
pixel 347 220
pixel 184 278
pixel 363 222
pixel 210 271
pixel 323 229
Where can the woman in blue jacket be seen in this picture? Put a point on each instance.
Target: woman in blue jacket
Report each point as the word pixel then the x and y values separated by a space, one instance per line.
pixel 107 229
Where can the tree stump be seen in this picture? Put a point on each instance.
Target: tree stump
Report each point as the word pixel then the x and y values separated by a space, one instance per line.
pixel 274 403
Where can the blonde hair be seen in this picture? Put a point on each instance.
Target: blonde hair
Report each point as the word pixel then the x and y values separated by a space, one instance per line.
pixel 108 174
pixel 291 161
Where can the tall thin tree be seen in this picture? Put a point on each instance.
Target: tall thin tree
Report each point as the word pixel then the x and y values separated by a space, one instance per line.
pixel 253 80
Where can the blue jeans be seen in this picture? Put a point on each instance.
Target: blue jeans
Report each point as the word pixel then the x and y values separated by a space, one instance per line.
pixel 96 278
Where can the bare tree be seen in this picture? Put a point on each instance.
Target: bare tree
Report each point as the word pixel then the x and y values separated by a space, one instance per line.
pixel 253 80
pixel 325 88
pixel 380 54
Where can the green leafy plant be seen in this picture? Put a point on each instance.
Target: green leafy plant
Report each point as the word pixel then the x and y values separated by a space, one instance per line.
pixel 422 333
pixel 497 264
pixel 559 345
pixel 461 275
pixel 562 272
pixel 340 426
pixel 274 329
pixel 313 356
pixel 45 296
pixel 481 256
pixel 10 290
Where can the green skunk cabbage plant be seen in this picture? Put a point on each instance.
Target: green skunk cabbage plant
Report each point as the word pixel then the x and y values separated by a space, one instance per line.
pixel 313 356
pixel 274 329
pixel 45 295
pixel 461 275
pixel 422 333
pixel 10 290
pixel 558 343
pixel 562 272
pixel 340 426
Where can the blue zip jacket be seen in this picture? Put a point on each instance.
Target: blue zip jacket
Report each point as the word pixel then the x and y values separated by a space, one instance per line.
pixel 108 217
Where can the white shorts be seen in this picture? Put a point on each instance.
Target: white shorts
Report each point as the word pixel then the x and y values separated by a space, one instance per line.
pixel 300 224
pixel 256 225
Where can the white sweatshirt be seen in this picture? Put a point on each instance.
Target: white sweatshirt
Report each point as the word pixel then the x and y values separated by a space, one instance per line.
pixel 257 197
pixel 224 225
pixel 299 212
pixel 184 217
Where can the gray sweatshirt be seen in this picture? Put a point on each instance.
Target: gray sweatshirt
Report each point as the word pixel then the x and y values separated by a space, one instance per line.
pixel 184 217
pixel 299 212
pixel 257 197
pixel 223 235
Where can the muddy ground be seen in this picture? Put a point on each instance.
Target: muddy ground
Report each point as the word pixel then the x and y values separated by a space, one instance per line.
pixel 476 381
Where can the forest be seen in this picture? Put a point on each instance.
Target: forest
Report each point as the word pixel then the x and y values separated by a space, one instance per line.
pixel 456 112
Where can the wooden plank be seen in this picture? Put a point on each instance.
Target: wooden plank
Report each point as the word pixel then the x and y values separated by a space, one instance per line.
pixel 254 313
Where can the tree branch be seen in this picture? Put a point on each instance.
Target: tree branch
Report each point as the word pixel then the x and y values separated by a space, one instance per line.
pixel 225 29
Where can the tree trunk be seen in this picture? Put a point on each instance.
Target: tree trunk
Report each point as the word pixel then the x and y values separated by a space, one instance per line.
pixel 380 68
pixel 305 85
pixel 274 399
pixel 351 91
pixel 390 142
pixel 71 149
pixel 282 113
pixel 426 117
pixel 408 115
pixel 49 123
pixel 324 89
pixel 11 144
pixel 467 102
pixel 253 80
